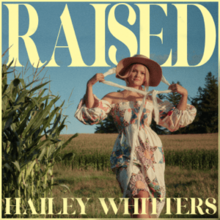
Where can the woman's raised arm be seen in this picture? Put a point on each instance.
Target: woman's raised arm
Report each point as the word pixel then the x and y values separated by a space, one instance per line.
pixel 182 91
pixel 89 97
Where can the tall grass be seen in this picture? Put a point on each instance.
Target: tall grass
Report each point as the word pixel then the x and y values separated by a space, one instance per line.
pixel 189 159
pixel 192 159
pixel 101 184
pixel 90 176
pixel 105 142
pixel 196 151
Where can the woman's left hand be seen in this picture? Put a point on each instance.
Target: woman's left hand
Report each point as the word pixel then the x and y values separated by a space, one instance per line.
pixel 178 88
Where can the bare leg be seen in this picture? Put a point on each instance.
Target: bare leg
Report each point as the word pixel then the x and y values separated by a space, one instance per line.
pixel 142 194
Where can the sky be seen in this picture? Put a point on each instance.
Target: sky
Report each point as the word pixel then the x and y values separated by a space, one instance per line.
pixel 65 79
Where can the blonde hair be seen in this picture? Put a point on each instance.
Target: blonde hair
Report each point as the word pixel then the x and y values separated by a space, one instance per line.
pixel 145 84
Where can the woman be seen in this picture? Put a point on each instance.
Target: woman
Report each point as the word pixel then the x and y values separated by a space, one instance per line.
pixel 137 158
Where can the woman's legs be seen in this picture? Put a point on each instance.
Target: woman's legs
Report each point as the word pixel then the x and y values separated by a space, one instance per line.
pixel 138 187
pixel 141 195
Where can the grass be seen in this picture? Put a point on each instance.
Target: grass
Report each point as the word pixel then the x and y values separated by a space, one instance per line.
pixel 86 184
pixel 99 184
pixel 105 142
pixel 93 184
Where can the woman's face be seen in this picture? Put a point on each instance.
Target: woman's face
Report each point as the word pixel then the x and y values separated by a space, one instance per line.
pixel 138 75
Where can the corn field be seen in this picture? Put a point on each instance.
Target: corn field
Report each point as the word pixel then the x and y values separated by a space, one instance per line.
pixel 31 125
pixel 188 159
pixel 31 146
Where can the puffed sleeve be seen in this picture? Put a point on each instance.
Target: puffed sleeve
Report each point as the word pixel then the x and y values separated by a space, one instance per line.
pixel 172 118
pixel 90 116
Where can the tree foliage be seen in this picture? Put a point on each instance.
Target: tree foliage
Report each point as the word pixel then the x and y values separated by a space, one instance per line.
pixel 206 102
pixel 106 126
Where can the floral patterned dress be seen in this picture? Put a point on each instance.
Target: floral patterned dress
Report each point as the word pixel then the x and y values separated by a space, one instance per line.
pixel 148 158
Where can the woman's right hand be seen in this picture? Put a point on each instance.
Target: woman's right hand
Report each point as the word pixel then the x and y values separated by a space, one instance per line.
pixel 97 77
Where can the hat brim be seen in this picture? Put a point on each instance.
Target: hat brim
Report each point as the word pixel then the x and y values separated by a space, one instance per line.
pixel 153 67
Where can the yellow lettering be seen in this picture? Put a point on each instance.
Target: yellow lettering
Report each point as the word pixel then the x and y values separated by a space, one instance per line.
pixel 210 35
pixel 33 210
pixel 193 206
pixel 145 27
pixel 100 34
pixel 13 10
pixel 181 35
pixel 211 206
pixel 143 205
pixel 82 205
pixel 168 206
pixel 43 206
pixel 65 206
pixel 154 206
pixel 122 33
pixel 7 209
pixel 126 205
pixel 104 206
pixel 112 203
pixel 179 205
pixel 71 39
pixel 50 206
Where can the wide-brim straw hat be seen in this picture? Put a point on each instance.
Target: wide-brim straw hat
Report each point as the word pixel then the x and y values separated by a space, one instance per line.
pixel 153 67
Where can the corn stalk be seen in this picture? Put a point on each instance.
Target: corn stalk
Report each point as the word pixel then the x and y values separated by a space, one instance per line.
pixel 31 125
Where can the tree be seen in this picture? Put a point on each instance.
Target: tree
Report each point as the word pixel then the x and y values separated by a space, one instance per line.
pixel 106 126
pixel 174 97
pixel 206 102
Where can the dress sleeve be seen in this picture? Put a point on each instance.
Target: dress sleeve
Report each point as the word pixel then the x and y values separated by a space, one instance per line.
pixel 90 116
pixel 172 118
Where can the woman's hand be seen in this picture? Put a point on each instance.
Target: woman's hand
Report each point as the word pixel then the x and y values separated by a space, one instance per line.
pixel 97 77
pixel 178 88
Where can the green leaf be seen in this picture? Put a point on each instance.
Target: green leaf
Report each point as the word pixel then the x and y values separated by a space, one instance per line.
pixel 43 151
pixel 16 82
pixel 65 186
pixel 36 122
pixel 38 87
pixel 30 167
pixel 17 165
pixel 8 167
pixel 69 140
pixel 8 122
pixel 10 64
